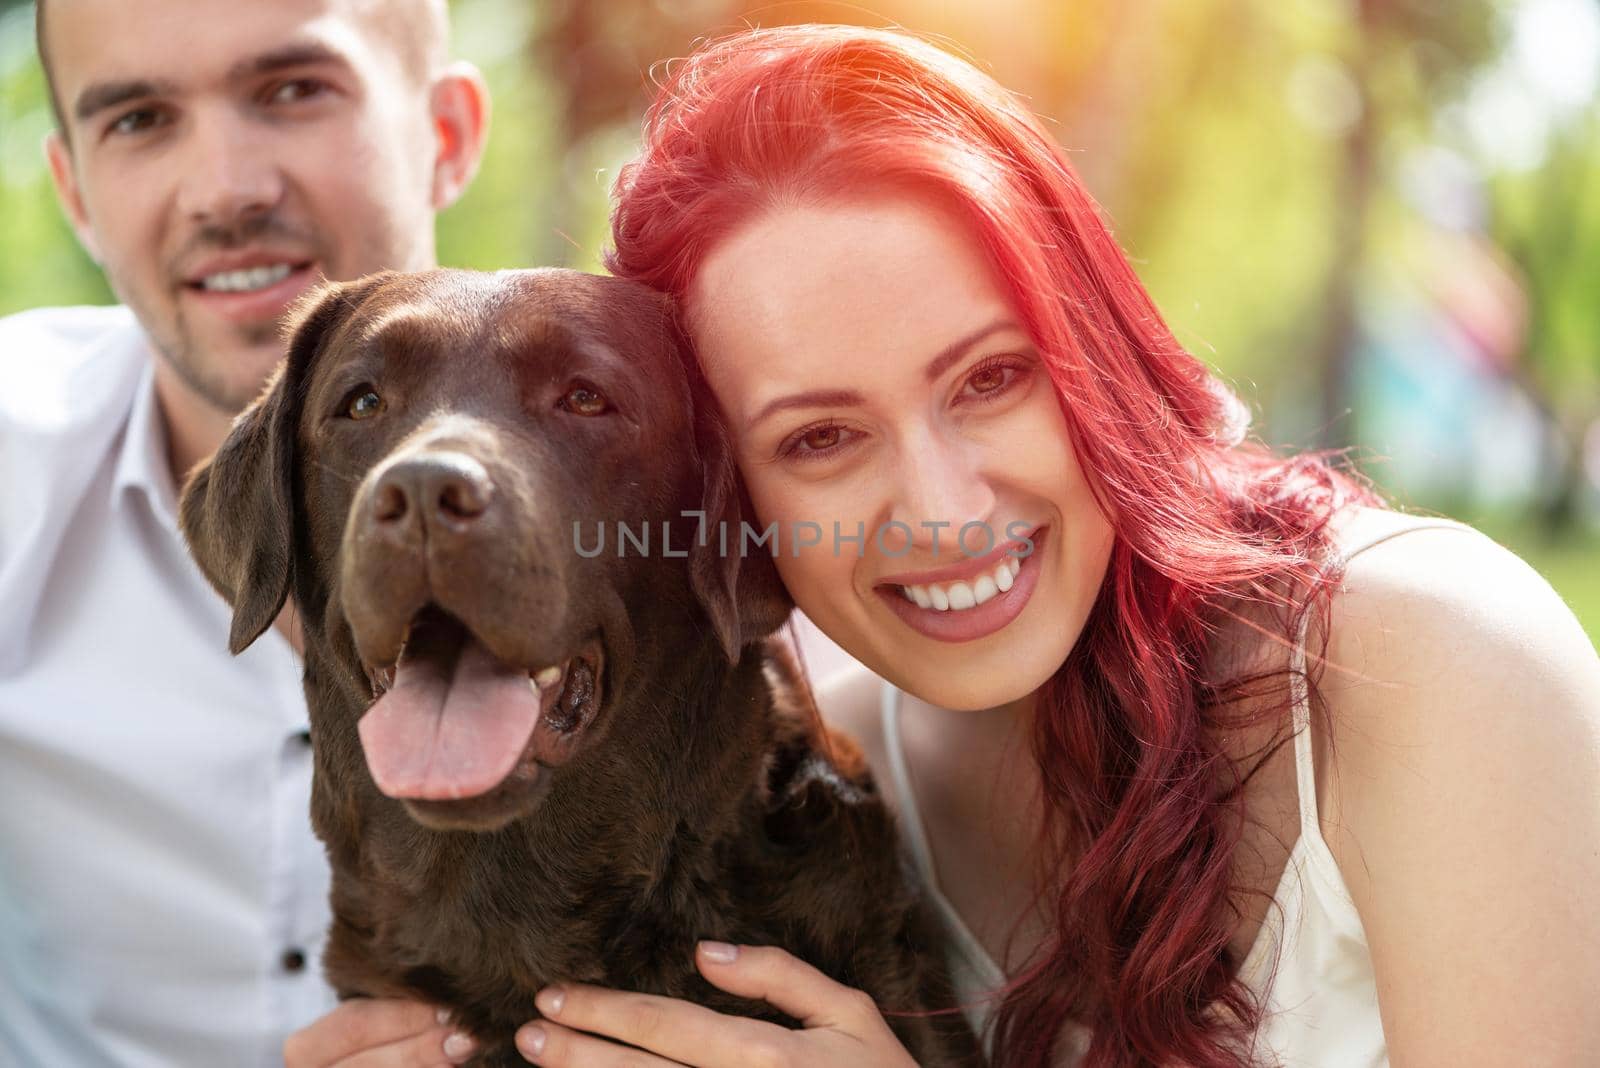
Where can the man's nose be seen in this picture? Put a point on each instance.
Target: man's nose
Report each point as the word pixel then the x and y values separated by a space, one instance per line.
pixel 942 487
pixel 438 493
pixel 231 173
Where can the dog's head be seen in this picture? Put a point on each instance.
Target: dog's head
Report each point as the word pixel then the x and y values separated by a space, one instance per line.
pixel 430 475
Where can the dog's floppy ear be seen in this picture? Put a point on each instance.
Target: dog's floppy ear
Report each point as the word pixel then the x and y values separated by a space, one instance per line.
pixel 237 508
pixel 737 583
pixel 734 578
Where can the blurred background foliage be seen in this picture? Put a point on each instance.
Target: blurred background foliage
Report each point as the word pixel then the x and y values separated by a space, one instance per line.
pixel 1380 219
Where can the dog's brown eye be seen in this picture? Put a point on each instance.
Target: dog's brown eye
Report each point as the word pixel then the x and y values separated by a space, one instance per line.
pixel 584 400
pixel 363 404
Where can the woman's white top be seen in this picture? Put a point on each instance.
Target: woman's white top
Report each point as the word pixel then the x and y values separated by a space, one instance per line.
pixel 1321 1001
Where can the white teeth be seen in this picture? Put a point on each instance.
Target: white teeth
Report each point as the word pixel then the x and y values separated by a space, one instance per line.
pixel 959 596
pixel 547 678
pixel 245 281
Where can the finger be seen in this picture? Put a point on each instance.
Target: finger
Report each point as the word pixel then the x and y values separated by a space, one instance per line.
pixel 358 1024
pixel 788 984
pixel 679 1030
pixel 550 1045
pixel 438 1047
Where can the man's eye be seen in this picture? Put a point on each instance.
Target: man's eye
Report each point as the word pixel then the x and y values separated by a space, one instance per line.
pixel 363 404
pixel 584 400
pixel 134 122
pixel 292 91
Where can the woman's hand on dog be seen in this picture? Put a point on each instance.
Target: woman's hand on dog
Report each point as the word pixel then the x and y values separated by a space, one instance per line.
pixel 839 1026
pixel 378 1033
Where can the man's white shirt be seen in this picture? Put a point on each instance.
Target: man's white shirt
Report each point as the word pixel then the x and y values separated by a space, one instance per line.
pixel 162 898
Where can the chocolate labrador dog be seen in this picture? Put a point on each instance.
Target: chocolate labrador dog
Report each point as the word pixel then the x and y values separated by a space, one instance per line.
pixel 536 761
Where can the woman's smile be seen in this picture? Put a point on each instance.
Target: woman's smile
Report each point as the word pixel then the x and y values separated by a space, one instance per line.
pixel 989 593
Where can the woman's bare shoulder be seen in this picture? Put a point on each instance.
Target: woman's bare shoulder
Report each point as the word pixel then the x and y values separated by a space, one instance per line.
pixel 1425 599
pixel 1464 703
pixel 1447 655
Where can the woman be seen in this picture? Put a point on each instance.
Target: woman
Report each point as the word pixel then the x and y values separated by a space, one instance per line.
pixel 909 311
pixel 1097 727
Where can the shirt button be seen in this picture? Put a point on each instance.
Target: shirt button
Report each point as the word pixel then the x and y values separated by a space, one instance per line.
pixel 293 960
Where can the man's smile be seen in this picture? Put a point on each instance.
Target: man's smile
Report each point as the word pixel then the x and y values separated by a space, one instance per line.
pixel 251 286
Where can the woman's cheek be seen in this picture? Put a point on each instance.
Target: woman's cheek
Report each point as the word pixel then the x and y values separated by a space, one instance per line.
pixel 820 572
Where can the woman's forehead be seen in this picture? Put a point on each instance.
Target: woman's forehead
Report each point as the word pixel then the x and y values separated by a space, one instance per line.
pixel 839 287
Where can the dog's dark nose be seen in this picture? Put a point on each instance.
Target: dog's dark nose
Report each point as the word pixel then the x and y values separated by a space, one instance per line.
pixel 448 487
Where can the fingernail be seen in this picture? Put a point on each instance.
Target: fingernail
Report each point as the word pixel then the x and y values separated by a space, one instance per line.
pixel 719 952
pixel 550 1000
pixel 443 1016
pixel 458 1047
pixel 530 1041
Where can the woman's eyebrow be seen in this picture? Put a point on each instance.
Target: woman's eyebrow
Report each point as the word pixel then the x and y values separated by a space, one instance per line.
pixel 844 398
pixel 957 349
pixel 812 398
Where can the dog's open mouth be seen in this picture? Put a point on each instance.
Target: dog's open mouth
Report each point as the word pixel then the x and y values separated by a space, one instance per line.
pixel 453 722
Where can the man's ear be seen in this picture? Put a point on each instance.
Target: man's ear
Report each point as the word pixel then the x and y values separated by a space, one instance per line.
pixel 738 586
pixel 59 155
pixel 237 509
pixel 459 106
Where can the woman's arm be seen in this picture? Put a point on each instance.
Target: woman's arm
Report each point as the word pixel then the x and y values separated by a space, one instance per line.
pixel 1464 804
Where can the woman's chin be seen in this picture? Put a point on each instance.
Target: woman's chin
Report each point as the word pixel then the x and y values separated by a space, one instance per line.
pixel 969 692
pixel 976 677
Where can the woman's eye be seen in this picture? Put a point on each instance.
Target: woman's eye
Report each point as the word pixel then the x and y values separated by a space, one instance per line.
pixel 363 404
pixel 987 379
pixel 992 379
pixel 825 438
pixel 815 442
pixel 584 400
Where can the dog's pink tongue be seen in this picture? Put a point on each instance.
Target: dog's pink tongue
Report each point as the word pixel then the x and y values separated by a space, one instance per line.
pixel 442 735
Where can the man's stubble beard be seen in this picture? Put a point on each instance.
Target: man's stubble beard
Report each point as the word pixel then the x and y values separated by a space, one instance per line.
pixel 210 379
pixel 211 382
pixel 385 247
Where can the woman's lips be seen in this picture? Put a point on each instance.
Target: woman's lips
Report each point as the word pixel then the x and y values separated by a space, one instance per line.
pixel 968 568
pixel 980 621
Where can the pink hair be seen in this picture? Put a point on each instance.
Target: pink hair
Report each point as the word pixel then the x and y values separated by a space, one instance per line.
pixel 1143 811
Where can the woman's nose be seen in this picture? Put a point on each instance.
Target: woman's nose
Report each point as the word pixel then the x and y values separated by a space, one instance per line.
pixel 943 487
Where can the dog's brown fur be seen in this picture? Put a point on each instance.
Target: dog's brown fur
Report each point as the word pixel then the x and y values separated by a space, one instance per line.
pixel 699 802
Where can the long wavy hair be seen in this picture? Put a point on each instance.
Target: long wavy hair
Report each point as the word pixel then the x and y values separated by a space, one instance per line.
pixel 1142 808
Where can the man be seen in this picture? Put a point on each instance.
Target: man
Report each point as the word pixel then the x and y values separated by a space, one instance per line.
pixel 162 899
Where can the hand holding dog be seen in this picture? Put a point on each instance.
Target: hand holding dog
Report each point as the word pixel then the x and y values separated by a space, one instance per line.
pixel 840 1026
pixel 378 1033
